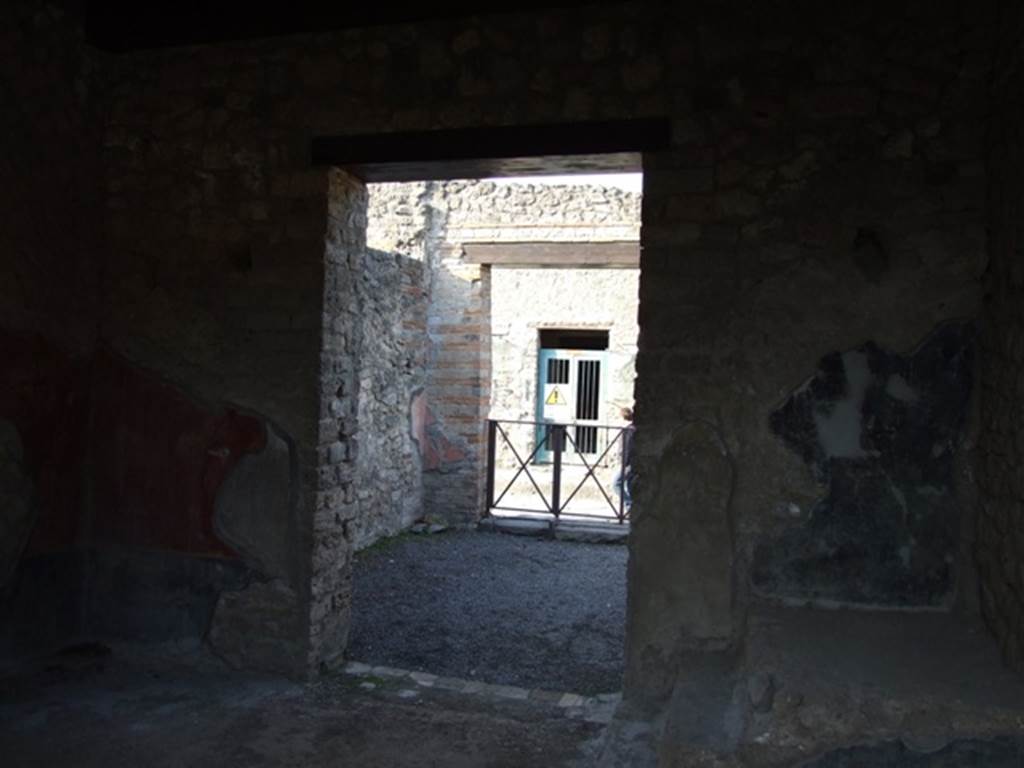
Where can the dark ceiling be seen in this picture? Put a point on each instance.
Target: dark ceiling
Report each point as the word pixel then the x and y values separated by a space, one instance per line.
pixel 119 25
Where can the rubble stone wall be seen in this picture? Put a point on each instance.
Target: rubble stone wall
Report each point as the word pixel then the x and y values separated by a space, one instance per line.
pixel 389 481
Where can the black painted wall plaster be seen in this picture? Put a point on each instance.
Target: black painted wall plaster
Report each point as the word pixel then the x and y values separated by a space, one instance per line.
pixel 881 431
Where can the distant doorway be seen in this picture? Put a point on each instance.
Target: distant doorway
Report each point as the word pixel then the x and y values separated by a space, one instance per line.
pixel 572 367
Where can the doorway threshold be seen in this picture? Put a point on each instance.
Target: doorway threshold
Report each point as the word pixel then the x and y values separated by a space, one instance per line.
pixel 586 531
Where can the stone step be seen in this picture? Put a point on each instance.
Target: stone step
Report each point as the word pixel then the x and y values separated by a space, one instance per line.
pixel 591 533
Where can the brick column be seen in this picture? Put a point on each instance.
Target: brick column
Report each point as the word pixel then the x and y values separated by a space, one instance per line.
pixel 458 389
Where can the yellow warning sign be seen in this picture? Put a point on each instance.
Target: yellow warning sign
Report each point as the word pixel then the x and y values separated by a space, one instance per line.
pixel 555 398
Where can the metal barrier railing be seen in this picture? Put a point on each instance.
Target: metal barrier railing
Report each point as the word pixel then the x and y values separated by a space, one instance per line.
pixel 555 439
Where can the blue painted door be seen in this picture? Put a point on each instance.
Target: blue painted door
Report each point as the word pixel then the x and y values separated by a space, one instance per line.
pixel 570 391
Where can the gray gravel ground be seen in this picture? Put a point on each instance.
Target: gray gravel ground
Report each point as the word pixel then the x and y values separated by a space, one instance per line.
pixel 503 609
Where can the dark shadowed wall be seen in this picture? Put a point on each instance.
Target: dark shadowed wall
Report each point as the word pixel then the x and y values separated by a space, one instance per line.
pixel 819 217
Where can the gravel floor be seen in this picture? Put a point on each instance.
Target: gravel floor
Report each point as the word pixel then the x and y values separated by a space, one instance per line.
pixel 503 609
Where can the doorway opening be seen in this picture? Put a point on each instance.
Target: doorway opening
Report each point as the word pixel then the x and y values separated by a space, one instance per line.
pixel 571 389
pixel 492 285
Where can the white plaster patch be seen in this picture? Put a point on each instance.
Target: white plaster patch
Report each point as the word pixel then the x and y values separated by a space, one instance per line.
pixel 905 556
pixel 898 389
pixel 839 428
pixel 901 499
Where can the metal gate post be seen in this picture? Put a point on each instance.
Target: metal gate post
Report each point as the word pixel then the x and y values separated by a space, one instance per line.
pixel 622 477
pixel 558 436
pixel 492 446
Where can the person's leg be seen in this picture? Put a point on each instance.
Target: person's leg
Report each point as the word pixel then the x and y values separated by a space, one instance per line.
pixel 621 483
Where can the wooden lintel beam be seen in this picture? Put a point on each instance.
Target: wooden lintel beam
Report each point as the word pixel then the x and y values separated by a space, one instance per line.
pixel 545 254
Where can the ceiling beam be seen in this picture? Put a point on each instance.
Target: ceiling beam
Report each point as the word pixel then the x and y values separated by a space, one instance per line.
pixel 622 254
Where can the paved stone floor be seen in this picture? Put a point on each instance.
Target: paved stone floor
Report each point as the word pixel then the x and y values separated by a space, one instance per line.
pixel 925 679
pixel 858 689
pixel 169 707
pixel 186 709
pixel 965 753
pixel 512 610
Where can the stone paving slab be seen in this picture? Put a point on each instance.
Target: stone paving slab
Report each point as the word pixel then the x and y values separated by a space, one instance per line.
pixel 600 533
pixel 563 530
pixel 593 709
pixel 516 526
pixel 142 708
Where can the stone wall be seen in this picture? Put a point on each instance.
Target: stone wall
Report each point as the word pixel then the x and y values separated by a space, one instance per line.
pixel 824 188
pixel 216 264
pixel 1000 453
pixel 520 212
pixel 50 209
pixel 329 599
pixel 158 466
pixel 411 219
pixel 400 218
pixel 524 301
pixel 827 191
pixel 52 93
pixel 389 480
